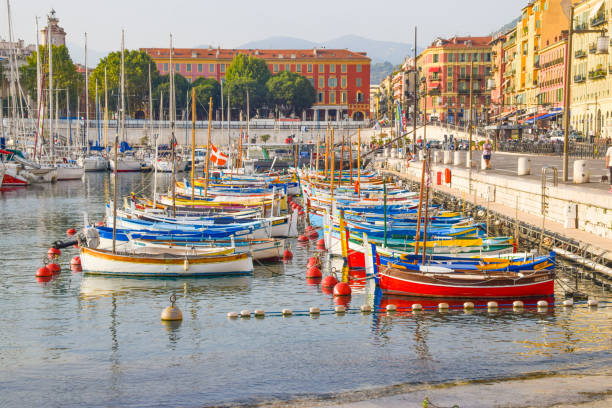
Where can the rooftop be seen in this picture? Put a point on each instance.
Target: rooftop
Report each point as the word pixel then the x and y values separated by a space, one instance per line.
pixel 223 53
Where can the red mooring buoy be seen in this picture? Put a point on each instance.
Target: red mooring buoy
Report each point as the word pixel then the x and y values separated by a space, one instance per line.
pixel 71 231
pixel 43 272
pixel 313 235
pixel 54 268
pixel 302 238
pixel 313 272
pixel 76 260
pixel 313 261
pixel 53 253
pixel 342 289
pixel 329 281
pixel 100 224
pixel 287 255
pixel 321 244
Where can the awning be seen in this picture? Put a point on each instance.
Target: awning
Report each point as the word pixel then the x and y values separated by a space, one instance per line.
pixel 435 69
pixel 596 9
pixel 545 116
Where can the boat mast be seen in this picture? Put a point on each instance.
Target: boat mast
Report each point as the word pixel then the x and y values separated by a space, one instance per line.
pixel 350 147
pixel 318 157
pixel 210 104
pixel 426 221
pixel 193 121
pixel 105 111
pixel 359 163
pixel 98 113
pixel 172 114
pixel 122 74
pixel 38 93
pixel 50 49
pixel 150 103
pixel 333 164
pixel 161 114
pixel 326 152
pixel 86 136
pixel 69 129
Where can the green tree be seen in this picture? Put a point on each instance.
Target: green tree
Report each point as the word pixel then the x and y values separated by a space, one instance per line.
pixel 181 88
pixel 291 92
pixel 65 75
pixel 247 73
pixel 205 88
pixel 136 80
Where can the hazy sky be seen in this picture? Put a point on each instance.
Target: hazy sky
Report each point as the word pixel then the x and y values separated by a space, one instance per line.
pixel 229 23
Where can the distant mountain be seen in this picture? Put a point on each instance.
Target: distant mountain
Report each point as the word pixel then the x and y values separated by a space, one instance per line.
pixel 379 70
pixel 378 51
pixel 77 53
pixel 505 28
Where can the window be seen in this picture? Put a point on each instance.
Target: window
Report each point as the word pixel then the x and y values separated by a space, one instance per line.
pixel 311 80
pixel 321 68
pixel 343 68
pixel 358 82
pixel 461 57
pixel 332 68
pixel 359 97
pixel 358 67
pixel 166 67
pixel 177 67
pixel 321 82
pixel 199 67
pixel 451 57
pixel 449 86
pixel 211 68
pixel 343 97
pixel 332 82
pixel 298 68
pixel 222 66
pixel 332 97
pixel 488 57
pixel 475 56
pixel 275 67
pixel 287 67
pixel 435 58
pixel 320 97
pixel 449 73
pixel 343 82
pixel 188 67
pixel 309 68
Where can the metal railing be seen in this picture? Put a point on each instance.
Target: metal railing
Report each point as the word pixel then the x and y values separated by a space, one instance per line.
pixel 579 150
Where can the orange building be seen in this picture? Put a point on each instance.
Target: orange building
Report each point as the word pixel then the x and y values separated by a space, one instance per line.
pixel 341 78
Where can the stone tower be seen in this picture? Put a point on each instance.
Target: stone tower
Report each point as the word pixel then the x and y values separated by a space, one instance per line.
pixel 58 35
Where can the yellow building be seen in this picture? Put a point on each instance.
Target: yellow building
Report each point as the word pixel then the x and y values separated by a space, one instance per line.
pixel 591 79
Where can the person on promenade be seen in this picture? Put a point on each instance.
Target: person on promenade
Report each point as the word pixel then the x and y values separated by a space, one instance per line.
pixel 609 165
pixel 486 153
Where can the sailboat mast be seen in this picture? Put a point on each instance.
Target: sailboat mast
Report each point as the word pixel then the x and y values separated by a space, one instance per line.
pixel 105 112
pixel 193 121
pixel 359 163
pixel 98 113
pixel 69 129
pixel 38 92
pixel 161 115
pixel 150 103
pixel 50 49
pixel 86 136
pixel 426 220
pixel 172 114
pixel 122 80
pixel 210 104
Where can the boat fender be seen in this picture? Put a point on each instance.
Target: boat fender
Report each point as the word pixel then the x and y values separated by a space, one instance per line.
pixel 186 265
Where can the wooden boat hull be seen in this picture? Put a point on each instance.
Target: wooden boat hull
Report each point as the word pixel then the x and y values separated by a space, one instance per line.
pixel 104 262
pixel 460 286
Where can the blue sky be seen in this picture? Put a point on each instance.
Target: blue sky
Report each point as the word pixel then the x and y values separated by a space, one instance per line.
pixel 229 23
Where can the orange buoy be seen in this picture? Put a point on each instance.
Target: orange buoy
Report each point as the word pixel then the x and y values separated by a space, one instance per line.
pixel 321 244
pixel 71 231
pixel 313 261
pixel 54 268
pixel 313 235
pixel 302 238
pixel 76 260
pixel 43 272
pixel 44 279
pixel 313 273
pixel 53 253
pixel 342 289
pixel 329 281
pixel 287 255
pixel 100 224
pixel 76 268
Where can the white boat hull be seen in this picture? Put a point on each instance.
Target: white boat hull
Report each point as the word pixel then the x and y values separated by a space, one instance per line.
pixel 126 165
pixel 94 163
pixel 69 172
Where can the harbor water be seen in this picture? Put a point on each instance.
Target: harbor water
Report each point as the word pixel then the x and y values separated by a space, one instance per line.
pixel 98 341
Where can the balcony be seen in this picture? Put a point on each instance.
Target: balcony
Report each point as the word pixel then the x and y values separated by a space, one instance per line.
pixel 599 73
pixel 435 91
pixel 580 54
pixel 581 26
pixel 610 69
pixel 592 48
pixel 578 78
pixel 598 20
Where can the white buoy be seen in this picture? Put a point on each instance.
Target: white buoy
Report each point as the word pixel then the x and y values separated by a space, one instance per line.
pixel 417 307
pixel 286 312
pixel 314 311
pixel 517 304
pixel 391 308
pixel 542 304
pixel 568 302
pixel 492 305
pixel 232 315
pixel 259 313
pixel 443 307
pixel 468 306
pixel 366 308
pixel 593 302
pixel 340 309
pixel 172 313
pixel 245 313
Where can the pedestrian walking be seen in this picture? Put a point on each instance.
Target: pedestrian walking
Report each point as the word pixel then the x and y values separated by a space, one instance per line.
pixel 486 153
pixel 609 165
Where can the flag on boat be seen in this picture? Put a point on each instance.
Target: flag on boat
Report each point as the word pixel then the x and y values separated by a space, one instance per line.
pixel 217 156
